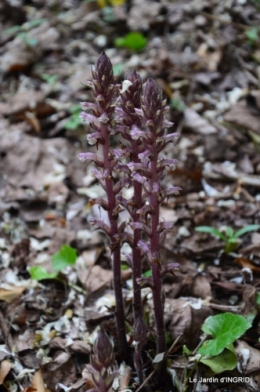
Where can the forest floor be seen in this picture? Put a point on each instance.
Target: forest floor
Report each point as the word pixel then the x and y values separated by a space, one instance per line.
pixel 205 55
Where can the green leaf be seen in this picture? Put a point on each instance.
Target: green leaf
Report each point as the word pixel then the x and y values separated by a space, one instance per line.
pixel 229 232
pixel 258 298
pixel 65 257
pixel 118 69
pixel 32 41
pixel 226 328
pixel 34 23
pixel 75 109
pixel 177 104
pixel 124 267
pixel 227 360
pixel 252 35
pixel 211 230
pixel 147 273
pixel 51 79
pixel 246 229
pixel 39 273
pixel 185 350
pixel 73 122
pixel 132 41
pixel 12 30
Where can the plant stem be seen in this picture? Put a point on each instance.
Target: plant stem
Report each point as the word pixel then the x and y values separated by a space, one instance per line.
pixel 115 245
pixel 155 248
pixel 137 265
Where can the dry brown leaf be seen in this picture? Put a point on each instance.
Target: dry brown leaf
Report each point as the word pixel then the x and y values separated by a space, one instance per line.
pixel 5 368
pixel 29 389
pixel 196 123
pixel 239 114
pixel 253 362
pixel 9 295
pixel 96 279
pixel 185 320
pixel 37 381
pixel 201 287
pixel 245 263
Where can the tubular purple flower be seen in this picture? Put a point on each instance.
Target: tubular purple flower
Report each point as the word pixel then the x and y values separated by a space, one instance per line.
pixel 165 226
pixel 124 183
pixel 146 209
pixel 88 105
pixel 145 156
pixel 89 119
pixel 135 166
pixel 90 156
pixel 171 137
pixel 101 225
pixel 172 163
pixel 136 133
pixel 144 247
pixel 174 190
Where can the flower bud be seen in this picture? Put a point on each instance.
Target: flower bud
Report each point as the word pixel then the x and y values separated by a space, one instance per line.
pixel 103 350
pixel 140 331
pixel 104 71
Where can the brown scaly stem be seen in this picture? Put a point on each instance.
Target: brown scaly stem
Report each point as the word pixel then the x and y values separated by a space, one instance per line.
pixel 156 273
pixel 137 265
pixel 115 244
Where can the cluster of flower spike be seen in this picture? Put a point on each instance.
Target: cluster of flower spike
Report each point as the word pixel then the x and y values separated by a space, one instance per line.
pixel 138 113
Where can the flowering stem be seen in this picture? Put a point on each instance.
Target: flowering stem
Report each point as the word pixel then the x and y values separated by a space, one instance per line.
pixel 115 245
pixel 137 265
pixel 155 248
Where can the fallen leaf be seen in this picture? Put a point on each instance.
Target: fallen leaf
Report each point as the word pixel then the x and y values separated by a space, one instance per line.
pixel 5 368
pixel 245 263
pixel 37 381
pixel 196 123
pixel 9 295
pixel 249 357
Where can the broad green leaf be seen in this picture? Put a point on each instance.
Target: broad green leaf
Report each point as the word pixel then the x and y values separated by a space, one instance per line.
pixel 39 273
pixel 225 328
pixel 246 229
pixel 65 257
pixel 211 230
pixel 227 360
pixel 124 267
pixel 133 41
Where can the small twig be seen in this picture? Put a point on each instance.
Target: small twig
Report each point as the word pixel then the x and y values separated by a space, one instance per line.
pixel 155 370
